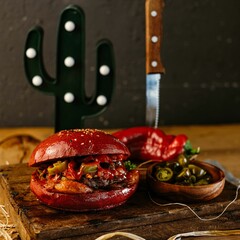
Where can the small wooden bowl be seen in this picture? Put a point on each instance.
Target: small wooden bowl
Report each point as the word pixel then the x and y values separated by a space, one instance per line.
pixel 189 193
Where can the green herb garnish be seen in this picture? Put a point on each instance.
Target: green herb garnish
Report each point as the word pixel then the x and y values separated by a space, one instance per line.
pixel 129 165
pixel 189 151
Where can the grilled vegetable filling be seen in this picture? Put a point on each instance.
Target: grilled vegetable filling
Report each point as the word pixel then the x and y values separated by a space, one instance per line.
pixel 84 175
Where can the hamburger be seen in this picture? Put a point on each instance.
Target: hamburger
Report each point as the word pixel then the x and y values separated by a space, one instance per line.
pixel 82 170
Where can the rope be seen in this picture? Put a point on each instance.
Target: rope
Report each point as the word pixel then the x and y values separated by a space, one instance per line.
pixel 202 219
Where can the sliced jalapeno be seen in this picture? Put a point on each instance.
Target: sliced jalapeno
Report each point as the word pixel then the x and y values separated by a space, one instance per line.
pixel 164 174
pixel 175 166
pixel 184 174
pixel 197 171
pixel 90 168
pixel 192 179
pixel 57 167
pixel 181 172
pixel 182 160
pixel 203 181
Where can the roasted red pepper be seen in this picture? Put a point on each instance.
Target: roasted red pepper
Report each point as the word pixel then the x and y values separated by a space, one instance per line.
pixel 147 143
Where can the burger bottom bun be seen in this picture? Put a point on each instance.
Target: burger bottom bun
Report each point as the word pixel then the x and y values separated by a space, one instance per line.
pixel 98 200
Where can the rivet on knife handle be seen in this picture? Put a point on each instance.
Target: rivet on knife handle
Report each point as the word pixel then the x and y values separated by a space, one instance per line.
pixel 153 13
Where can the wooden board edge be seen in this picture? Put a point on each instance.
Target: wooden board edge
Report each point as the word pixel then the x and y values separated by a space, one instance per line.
pixel 13 212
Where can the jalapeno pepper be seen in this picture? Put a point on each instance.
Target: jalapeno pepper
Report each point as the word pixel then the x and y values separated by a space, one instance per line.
pixel 181 173
pixel 164 174
pixel 90 168
pixel 147 143
pixel 57 167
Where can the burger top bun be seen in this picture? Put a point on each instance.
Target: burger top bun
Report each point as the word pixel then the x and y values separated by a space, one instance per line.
pixel 76 142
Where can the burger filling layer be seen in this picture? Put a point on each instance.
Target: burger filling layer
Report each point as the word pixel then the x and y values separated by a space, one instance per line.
pixel 88 174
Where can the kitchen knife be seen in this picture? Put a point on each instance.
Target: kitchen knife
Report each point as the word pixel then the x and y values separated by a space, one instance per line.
pixel 154 67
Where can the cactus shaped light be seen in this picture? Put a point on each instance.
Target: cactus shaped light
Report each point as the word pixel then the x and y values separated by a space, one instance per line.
pixel 68 87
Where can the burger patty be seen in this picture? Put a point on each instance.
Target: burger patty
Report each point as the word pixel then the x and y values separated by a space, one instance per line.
pixel 98 182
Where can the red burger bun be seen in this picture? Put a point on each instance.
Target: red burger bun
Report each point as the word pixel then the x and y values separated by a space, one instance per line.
pixel 78 144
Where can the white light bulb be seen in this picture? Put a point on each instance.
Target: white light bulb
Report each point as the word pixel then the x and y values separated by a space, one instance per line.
pixel 69 97
pixel 31 53
pixel 104 70
pixel 69 61
pixel 37 81
pixel 69 26
pixel 101 100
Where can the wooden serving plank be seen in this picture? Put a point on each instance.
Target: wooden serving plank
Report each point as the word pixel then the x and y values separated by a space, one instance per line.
pixel 139 215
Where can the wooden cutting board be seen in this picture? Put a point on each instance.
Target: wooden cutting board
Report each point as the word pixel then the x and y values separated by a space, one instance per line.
pixel 139 215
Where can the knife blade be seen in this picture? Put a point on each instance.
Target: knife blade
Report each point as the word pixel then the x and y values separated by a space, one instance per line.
pixel 154 67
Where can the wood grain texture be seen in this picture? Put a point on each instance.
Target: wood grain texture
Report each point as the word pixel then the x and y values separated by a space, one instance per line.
pixel 154 28
pixel 139 215
pixel 17 149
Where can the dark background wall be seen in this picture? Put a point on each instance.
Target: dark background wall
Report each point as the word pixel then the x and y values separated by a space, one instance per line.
pixel 200 52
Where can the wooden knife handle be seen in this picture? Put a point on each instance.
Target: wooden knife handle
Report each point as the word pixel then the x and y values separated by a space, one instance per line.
pixel 154 29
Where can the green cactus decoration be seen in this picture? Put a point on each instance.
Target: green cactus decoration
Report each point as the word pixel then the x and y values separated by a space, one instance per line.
pixel 72 104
